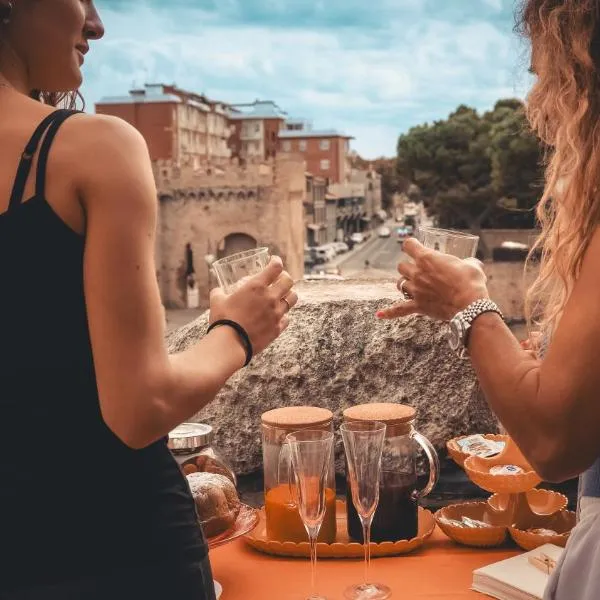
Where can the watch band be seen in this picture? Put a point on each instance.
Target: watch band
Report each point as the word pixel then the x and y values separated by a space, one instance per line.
pixel 461 324
pixel 478 308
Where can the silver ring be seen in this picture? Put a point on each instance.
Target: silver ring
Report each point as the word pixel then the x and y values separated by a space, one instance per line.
pixel 287 304
pixel 405 295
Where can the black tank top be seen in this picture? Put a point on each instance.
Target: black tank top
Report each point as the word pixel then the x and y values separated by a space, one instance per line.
pixel 75 501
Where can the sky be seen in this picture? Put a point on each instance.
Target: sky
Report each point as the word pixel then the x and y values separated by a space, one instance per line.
pixel 369 68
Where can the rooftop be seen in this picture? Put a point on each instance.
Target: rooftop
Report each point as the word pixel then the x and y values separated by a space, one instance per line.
pixel 260 109
pixel 163 93
pixel 313 133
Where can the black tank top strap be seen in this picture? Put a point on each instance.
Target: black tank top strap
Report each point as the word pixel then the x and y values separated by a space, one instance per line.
pixel 24 168
pixel 40 179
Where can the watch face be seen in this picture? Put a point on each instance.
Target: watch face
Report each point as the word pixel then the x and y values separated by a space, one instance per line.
pixel 455 334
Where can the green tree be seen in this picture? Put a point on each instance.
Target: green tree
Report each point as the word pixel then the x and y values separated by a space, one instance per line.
pixel 475 170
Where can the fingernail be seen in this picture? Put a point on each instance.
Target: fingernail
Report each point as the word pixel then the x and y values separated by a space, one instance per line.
pixel 379 314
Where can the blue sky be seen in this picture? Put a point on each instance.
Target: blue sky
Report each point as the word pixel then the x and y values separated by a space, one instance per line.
pixel 371 68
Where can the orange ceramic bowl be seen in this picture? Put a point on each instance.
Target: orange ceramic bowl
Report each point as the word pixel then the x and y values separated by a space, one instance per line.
pixel 459 456
pixel 478 471
pixel 563 523
pixel 541 502
pixel 485 537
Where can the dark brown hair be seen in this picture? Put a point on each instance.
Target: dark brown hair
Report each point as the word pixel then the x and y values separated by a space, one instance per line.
pixel 68 100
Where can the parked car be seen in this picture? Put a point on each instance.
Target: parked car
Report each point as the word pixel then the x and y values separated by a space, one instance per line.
pixel 401 234
pixel 341 247
pixel 333 246
pixel 384 232
pixel 311 256
pixel 325 253
pixel 357 238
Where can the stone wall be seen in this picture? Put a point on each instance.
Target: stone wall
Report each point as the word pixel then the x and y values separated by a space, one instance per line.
pixel 203 207
pixel 336 354
pixel 508 284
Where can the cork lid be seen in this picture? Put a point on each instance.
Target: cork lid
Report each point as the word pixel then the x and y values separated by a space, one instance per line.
pixel 297 417
pixel 385 412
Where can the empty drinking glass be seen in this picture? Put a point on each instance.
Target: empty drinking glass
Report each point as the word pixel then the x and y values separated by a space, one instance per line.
pixel 363 443
pixel 311 453
pixel 233 269
pixel 456 243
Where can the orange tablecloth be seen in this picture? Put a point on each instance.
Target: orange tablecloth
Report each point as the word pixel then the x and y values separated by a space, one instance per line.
pixel 440 570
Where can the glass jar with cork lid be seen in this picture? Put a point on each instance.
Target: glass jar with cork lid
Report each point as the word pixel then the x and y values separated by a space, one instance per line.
pixel 396 516
pixel 192 446
pixel 283 520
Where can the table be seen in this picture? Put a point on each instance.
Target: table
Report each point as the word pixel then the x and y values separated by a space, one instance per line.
pixel 441 570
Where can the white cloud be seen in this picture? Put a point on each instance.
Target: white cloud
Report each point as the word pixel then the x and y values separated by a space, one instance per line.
pixel 371 84
pixel 495 4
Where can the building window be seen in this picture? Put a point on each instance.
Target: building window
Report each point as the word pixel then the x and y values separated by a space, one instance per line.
pixel 324 145
pixel 287 146
pixel 325 165
pixel 302 145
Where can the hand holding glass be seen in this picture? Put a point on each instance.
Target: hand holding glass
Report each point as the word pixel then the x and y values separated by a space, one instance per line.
pixel 232 270
pixel 311 452
pixel 363 443
pixel 456 243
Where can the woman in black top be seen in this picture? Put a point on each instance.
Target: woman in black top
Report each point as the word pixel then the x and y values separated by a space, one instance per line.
pixel 92 504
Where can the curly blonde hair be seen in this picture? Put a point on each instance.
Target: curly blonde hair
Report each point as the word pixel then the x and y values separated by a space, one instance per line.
pixel 563 108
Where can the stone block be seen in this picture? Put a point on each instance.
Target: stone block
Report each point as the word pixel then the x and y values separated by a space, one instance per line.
pixel 336 354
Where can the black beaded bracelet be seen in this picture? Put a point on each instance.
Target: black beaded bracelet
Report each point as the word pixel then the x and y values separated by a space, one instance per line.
pixel 240 331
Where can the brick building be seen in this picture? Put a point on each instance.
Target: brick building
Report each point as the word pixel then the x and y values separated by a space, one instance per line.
pixel 325 151
pixel 315 216
pixel 255 129
pixel 178 126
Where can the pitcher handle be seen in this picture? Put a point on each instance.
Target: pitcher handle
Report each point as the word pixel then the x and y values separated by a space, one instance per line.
pixel 285 458
pixel 434 463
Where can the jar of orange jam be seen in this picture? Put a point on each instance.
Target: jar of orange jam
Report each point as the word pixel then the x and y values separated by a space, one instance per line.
pixel 283 520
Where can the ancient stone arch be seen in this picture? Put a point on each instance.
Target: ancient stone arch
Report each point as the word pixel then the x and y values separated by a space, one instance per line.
pixel 236 242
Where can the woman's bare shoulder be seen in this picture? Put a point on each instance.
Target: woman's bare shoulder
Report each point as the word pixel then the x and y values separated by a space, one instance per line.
pixel 107 149
pixel 104 134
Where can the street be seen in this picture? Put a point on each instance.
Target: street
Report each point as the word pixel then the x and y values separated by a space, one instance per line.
pixel 383 254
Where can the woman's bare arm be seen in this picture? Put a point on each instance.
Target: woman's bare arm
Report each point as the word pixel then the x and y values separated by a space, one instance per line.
pixel 550 408
pixel 144 393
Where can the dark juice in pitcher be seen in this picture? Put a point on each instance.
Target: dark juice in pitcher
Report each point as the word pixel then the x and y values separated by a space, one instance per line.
pixel 396 517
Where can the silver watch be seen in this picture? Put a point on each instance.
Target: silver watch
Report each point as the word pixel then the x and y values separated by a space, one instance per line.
pixel 459 326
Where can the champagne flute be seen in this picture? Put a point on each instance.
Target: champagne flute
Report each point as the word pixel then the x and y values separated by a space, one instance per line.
pixel 363 443
pixel 311 452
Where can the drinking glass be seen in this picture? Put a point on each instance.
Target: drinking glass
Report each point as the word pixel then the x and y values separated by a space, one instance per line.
pixel 363 443
pixel 231 270
pixel 457 243
pixel 311 453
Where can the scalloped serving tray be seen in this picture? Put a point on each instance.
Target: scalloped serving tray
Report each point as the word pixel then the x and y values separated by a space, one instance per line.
pixel 342 547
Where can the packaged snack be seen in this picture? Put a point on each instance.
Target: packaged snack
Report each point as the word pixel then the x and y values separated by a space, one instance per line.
pixel 477 445
pixel 506 470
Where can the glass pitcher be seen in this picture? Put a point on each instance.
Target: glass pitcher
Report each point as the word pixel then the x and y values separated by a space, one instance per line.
pixel 283 520
pixel 397 514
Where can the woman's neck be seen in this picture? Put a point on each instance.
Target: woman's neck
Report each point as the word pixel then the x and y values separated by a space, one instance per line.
pixel 13 72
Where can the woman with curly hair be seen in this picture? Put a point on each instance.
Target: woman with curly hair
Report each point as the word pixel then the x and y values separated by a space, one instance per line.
pixel 92 503
pixel 548 401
